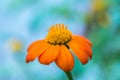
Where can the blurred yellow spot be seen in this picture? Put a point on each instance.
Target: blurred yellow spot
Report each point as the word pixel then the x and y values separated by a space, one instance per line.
pixel 99 5
pixel 16 45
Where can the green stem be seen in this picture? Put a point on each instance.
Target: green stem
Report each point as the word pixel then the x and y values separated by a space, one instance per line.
pixel 69 75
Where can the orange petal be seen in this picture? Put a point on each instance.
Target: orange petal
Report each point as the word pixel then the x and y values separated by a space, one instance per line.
pixel 83 46
pixel 86 45
pixel 80 53
pixel 49 55
pixel 81 38
pixel 65 59
pixel 35 51
pixel 36 43
pixel 87 49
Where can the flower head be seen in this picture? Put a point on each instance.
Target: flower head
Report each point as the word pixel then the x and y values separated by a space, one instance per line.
pixel 56 45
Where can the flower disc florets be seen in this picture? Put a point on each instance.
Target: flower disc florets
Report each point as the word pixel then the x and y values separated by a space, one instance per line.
pixel 58 35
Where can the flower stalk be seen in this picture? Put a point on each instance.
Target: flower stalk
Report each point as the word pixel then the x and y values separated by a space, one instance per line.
pixel 69 75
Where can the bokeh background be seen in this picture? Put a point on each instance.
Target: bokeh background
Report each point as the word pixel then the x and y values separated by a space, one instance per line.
pixel 25 21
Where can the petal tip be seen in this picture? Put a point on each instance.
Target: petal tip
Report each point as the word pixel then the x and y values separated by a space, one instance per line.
pixel 27 61
pixel 90 58
pixel 84 63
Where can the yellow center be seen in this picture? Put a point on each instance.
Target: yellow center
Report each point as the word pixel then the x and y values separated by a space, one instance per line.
pixel 58 35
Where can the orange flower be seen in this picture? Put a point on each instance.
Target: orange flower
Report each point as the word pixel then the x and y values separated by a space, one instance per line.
pixel 56 45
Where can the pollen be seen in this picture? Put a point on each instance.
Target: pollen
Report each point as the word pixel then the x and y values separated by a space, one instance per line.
pixel 58 35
